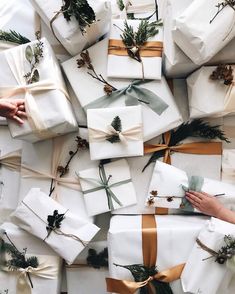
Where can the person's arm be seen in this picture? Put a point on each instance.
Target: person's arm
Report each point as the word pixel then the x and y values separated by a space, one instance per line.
pixel 210 205
pixel 13 109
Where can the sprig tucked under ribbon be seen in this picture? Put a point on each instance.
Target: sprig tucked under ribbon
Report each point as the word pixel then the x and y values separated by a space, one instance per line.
pixel 13 37
pixel 222 5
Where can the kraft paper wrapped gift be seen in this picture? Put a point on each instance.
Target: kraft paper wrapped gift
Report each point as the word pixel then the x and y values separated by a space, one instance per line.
pixel 209 97
pixel 48 94
pixel 68 32
pixel 107 187
pixel 168 185
pixel 10 160
pixel 167 233
pixel 47 276
pixel 228 166
pixel 194 32
pixel 128 138
pixel 122 66
pixel 161 115
pixel 39 167
pixel 202 274
pixel 69 239
pixel 82 278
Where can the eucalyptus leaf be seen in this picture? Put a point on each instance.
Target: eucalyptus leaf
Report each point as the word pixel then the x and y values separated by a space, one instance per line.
pixel 36 76
pixel 29 54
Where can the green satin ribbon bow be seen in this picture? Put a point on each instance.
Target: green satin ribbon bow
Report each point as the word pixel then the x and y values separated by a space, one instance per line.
pixel 134 95
pixel 103 183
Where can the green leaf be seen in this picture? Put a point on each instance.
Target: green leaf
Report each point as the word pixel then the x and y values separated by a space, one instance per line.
pixel 117 124
pixel 29 54
pixel 36 76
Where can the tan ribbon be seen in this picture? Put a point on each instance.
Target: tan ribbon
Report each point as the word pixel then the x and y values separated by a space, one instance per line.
pixel 133 134
pixel 149 248
pixel 11 160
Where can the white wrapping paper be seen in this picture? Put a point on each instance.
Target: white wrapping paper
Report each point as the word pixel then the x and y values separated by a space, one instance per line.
pixel 100 119
pixel 31 215
pixel 58 117
pixel 202 42
pixel 176 235
pixel 89 90
pixel 228 166
pixel 126 67
pixel 69 33
pixel 97 201
pixel 203 275
pixel 9 193
pixel 37 248
pixel 167 180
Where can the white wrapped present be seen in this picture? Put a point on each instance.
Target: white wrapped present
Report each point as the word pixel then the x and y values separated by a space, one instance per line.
pixel 46 219
pixel 197 41
pixel 164 243
pixel 40 164
pixel 168 185
pixel 107 187
pixel 201 273
pixel 45 278
pixel 217 99
pixel 120 65
pixel 228 166
pixel 48 93
pixel 160 113
pixel 115 132
pixel 68 32
pixel 10 160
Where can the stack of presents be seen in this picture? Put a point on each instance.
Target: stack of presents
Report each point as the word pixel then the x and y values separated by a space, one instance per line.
pixel 130 104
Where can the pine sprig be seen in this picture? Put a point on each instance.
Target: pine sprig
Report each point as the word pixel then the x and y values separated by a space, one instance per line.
pixel 120 5
pixel 13 37
pixel 97 260
pixel 117 125
pixel 195 128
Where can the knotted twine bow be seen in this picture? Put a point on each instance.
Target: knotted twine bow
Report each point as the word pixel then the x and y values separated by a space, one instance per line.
pixel 134 95
pixel 149 247
pixel 103 183
pixel 11 160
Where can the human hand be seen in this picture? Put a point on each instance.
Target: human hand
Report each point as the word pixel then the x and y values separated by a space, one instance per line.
pixel 204 202
pixel 13 109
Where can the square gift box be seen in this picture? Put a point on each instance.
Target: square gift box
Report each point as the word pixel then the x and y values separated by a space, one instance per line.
pixel 168 185
pixel 46 278
pixel 47 94
pixel 201 273
pixel 120 65
pixel 107 187
pixel 160 113
pixel 68 32
pixel 115 132
pixel 46 219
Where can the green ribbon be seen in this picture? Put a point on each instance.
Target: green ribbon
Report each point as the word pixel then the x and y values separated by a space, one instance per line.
pixel 134 95
pixel 103 183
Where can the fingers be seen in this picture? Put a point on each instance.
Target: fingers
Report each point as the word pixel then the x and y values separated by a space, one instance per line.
pixel 192 198
pixel 21 107
pixel 199 195
pixel 21 114
pixel 18 119
pixel 19 102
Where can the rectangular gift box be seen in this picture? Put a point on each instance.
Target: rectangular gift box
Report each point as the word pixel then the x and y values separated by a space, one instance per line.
pixel 169 233
pixel 120 191
pixel 68 32
pixel 198 41
pixel 67 234
pixel 48 277
pixel 125 67
pixel 10 158
pixel 49 93
pixel 216 99
pixel 159 116
pixel 168 185
pixel 201 273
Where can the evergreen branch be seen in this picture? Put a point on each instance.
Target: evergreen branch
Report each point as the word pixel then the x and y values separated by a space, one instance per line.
pixel 120 5
pixel 117 125
pixel 97 260
pixel 13 37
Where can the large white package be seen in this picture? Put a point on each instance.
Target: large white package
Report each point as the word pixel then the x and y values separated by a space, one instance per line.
pixel 228 166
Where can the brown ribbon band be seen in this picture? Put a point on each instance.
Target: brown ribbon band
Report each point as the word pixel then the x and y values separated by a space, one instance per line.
pixel 149 49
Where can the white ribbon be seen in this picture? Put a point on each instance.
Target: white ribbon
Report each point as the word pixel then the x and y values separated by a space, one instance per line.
pixel 11 160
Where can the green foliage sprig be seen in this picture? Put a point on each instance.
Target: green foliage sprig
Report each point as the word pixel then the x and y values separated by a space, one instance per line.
pixel 120 5
pixel 221 5
pixel 54 222
pixel 117 125
pixel 97 260
pixel 13 37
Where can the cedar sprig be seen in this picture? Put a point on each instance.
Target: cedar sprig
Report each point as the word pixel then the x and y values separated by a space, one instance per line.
pixel 97 260
pixel 54 222
pixel 117 125
pixel 221 5
pixel 13 37
pixel 195 128
pixel 224 73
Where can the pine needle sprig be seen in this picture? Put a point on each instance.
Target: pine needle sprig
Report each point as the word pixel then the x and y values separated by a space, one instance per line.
pixel 117 125
pixel 97 260
pixel 120 5
pixel 13 37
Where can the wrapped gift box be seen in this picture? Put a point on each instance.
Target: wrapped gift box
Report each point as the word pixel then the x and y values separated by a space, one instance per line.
pixel 202 274
pixel 120 191
pixel 198 42
pixel 167 187
pixel 3 121
pixel 154 122
pixel 228 166
pixel 59 118
pixel 126 67
pixel 129 141
pixel 216 100
pixel 49 263
pixel 68 32
pixel 171 251
pixel 69 239
pixel 10 158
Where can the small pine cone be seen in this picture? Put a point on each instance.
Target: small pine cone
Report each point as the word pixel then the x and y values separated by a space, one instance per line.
pixel 108 89
pixel 80 63
pixel 60 169
pixel 85 56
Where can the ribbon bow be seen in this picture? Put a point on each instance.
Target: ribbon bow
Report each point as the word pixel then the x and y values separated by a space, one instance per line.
pixel 11 160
